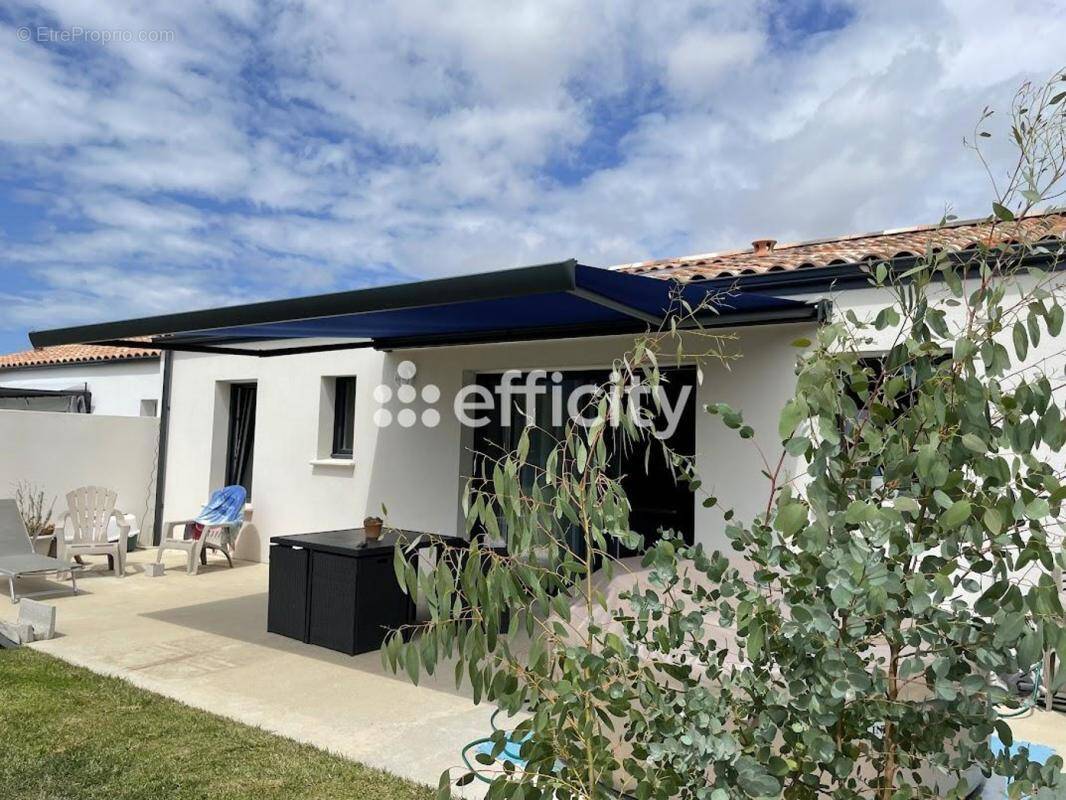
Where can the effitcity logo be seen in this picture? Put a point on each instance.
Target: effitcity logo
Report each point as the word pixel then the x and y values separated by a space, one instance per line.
pixel 517 396
pixel 407 396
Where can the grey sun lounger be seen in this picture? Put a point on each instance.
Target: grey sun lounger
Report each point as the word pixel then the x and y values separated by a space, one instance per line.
pixel 17 556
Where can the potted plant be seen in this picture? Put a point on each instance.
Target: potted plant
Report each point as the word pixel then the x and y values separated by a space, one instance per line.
pixel 30 500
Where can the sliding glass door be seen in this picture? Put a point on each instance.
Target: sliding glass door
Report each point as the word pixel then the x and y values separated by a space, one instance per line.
pixel 658 500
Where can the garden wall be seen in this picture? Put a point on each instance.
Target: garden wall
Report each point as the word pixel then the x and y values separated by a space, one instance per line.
pixel 61 452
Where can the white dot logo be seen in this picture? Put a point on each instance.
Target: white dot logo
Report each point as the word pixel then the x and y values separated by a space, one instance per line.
pixel 407 394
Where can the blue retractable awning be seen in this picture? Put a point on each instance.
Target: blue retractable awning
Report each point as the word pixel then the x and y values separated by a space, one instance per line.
pixel 546 301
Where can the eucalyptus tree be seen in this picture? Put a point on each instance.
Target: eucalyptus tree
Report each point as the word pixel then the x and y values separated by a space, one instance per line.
pixel 853 640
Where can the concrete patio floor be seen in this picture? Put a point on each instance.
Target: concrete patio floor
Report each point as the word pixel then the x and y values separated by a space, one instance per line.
pixel 202 640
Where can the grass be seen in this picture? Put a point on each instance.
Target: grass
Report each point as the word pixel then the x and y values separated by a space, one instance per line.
pixel 70 734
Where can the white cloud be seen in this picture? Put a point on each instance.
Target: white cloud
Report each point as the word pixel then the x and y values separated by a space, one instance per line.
pixel 43 105
pixel 275 149
pixel 702 59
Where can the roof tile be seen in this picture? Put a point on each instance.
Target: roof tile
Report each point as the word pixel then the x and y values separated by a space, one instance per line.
pixel 73 354
pixel 855 248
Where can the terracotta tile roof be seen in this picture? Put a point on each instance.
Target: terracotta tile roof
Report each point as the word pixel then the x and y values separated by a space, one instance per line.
pixel 765 256
pixel 73 354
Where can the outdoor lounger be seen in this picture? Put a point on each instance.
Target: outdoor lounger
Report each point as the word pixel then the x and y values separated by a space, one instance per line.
pixel 17 556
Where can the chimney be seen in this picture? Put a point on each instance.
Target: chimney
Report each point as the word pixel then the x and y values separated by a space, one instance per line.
pixel 763 247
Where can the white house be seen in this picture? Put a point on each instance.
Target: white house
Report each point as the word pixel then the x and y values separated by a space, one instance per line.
pixel 115 381
pixel 329 407
pixel 109 431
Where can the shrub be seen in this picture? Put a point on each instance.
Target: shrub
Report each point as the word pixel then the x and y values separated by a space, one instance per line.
pixel 906 557
pixel 30 500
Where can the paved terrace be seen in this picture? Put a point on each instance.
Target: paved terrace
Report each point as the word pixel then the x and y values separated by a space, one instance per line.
pixel 202 640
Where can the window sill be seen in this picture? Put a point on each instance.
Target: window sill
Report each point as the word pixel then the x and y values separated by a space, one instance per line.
pixel 333 462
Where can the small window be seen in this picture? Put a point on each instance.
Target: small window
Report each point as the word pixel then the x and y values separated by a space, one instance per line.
pixel 877 369
pixel 343 417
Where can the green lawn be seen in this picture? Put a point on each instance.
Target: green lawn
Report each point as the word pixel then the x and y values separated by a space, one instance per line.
pixel 69 734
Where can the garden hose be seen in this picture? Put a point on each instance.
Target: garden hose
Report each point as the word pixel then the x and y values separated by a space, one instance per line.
pixel 512 750
pixel 474 770
pixel 1032 700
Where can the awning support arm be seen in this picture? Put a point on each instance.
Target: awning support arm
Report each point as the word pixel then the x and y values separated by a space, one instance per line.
pixel 614 305
pixel 189 347
pixel 185 348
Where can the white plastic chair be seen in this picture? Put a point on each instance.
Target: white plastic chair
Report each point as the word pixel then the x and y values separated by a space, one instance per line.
pixel 89 510
pixel 222 520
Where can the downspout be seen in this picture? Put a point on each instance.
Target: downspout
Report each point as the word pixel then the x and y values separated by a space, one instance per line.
pixel 825 311
pixel 164 430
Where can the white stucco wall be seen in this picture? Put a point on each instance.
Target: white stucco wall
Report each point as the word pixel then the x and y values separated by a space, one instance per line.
pixel 289 494
pixel 416 472
pixel 61 452
pixel 117 387
pixel 421 484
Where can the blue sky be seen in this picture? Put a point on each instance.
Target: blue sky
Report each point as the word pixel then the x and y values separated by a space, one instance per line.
pixel 275 149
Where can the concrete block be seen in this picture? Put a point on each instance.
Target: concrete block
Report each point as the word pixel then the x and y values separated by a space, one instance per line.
pixel 9 631
pixel 39 616
pixel 154 570
pixel 17 632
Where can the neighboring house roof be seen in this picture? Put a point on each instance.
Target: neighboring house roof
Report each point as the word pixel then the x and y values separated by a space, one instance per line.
pixel 767 256
pixel 73 354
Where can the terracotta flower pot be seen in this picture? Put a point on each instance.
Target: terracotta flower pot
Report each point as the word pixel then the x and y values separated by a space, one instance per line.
pixel 372 528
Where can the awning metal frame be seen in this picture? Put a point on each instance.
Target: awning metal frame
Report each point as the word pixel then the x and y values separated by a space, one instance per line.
pixel 554 278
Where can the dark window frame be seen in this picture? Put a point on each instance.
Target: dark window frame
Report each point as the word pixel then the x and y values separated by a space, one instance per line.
pixel 343 442
pixel 877 362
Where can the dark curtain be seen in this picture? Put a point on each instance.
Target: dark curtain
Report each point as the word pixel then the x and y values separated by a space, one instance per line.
pixel 241 436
